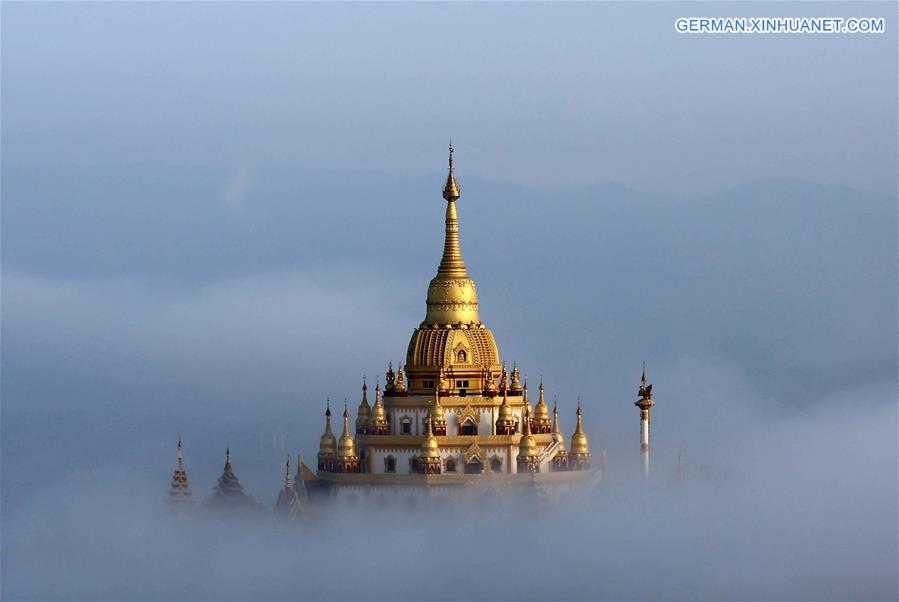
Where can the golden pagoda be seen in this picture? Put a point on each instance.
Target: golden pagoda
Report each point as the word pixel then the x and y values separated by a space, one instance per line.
pixel 450 417
pixel 443 419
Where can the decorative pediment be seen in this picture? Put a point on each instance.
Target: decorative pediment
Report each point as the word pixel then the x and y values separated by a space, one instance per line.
pixel 469 413
pixel 473 451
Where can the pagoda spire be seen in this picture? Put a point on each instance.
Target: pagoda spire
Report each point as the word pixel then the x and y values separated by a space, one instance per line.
pixel 506 424
pixel 228 493
pixel 288 503
pixel 436 419
pixel 451 264
pixel 363 414
pixel 327 447
pixel 542 423
pixel 579 456
pixel 528 460
pixel 377 422
pixel 347 458
pixel 452 295
pixel 180 495
pixel 429 459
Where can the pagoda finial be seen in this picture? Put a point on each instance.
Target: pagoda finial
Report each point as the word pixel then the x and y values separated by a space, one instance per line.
pixel 643 376
pixel 451 188
pixel 180 451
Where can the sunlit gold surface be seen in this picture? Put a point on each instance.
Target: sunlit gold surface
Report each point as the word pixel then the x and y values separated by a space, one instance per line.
pixel 452 323
pixel 579 443
pixel 527 446
pixel 328 443
pixel 346 447
pixel 452 363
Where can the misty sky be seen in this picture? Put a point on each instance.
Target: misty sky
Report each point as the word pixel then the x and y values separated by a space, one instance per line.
pixel 214 216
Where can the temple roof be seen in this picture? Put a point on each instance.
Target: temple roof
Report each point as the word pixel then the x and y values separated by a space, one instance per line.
pixel 228 493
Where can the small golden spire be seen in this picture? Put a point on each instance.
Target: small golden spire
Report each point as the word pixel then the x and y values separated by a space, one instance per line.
pixel 430 449
pixel 180 452
pixel 541 414
pixel 643 376
pixel 451 188
pixel 437 414
pixel 328 443
pixel 400 379
pixel 579 445
pixel 346 447
pixel 364 412
pixel 516 378
pixel 527 445
pixel 378 412
pixel 557 430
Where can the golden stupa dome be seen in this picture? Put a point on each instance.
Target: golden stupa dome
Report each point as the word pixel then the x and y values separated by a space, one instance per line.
pixel 328 443
pixel 346 447
pixel 527 446
pixel 452 334
pixel 579 443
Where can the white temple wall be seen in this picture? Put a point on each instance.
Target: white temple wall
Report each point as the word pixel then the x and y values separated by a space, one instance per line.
pixel 485 425
pixel 401 455
pixel 452 422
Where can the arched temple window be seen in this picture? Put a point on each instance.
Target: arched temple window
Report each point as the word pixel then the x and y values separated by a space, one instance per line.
pixel 468 427
pixel 389 464
pixel 406 425
pixel 451 465
pixel 461 357
pixel 496 465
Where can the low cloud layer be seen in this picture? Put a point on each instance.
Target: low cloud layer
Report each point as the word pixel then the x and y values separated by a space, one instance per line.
pixel 795 509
